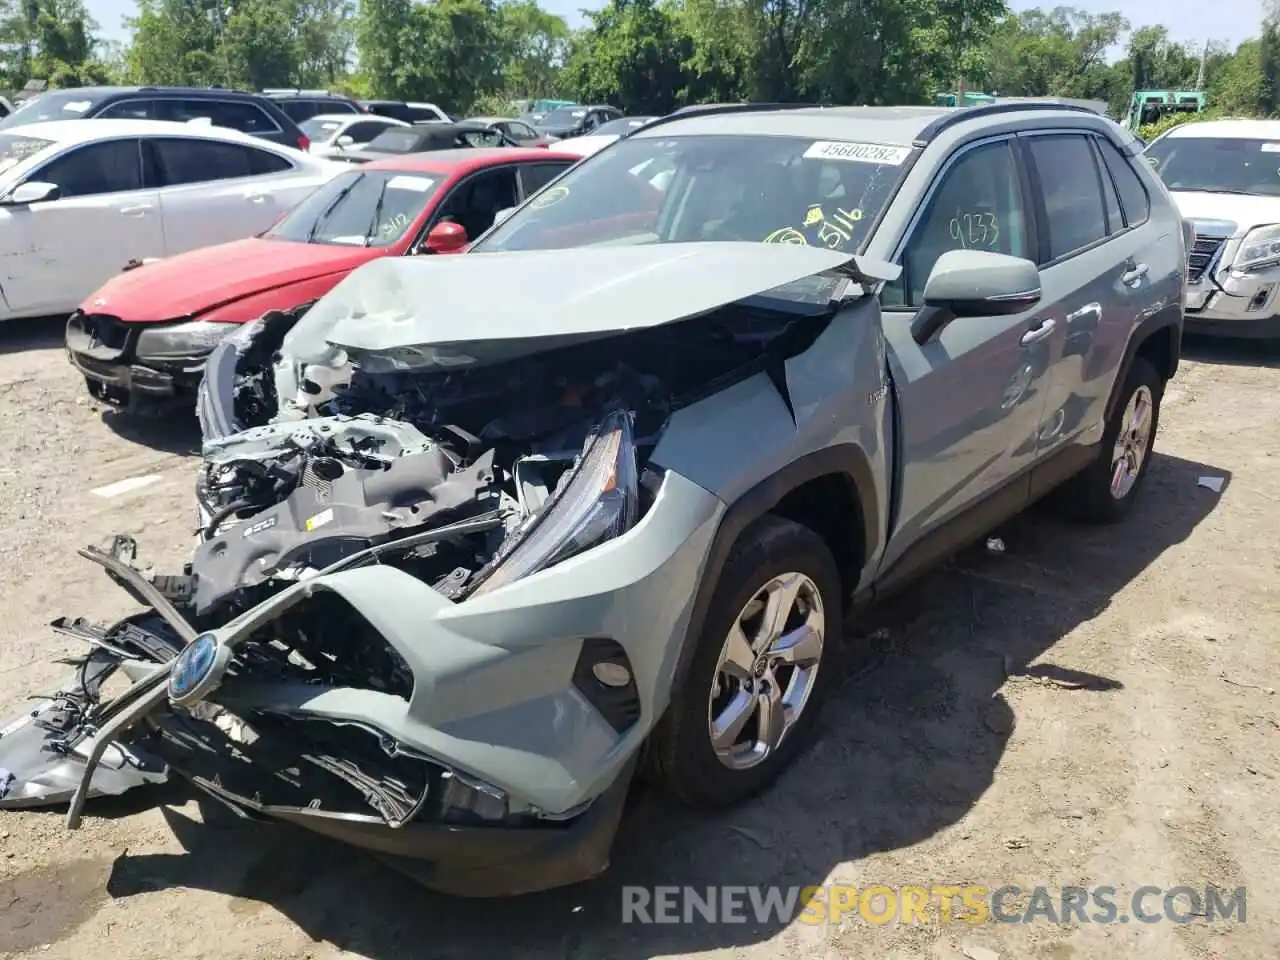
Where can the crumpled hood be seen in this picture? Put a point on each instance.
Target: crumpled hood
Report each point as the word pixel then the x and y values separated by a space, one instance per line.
pixel 193 283
pixel 1246 212
pixel 456 311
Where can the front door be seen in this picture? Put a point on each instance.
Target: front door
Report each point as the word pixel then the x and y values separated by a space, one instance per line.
pixel 102 219
pixel 972 399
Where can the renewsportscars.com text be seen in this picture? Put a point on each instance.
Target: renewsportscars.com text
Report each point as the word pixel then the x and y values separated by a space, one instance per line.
pixel 879 904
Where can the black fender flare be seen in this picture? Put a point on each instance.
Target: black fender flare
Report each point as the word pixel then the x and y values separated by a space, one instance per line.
pixel 847 460
pixel 1167 318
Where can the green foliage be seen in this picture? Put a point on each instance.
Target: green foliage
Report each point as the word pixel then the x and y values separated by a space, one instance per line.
pixel 645 56
pixel 1149 131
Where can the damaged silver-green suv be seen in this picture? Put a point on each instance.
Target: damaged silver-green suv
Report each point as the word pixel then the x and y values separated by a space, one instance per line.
pixel 474 530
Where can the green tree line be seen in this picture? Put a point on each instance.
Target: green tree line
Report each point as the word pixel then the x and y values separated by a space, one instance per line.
pixel 644 56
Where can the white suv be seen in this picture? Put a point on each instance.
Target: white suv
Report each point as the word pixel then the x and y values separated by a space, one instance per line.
pixel 1225 178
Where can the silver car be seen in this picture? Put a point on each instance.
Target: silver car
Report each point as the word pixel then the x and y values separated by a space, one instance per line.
pixel 485 537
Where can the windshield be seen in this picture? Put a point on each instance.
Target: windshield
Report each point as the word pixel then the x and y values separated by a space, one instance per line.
pixel 58 105
pixel 14 148
pixel 1218 165
pixel 320 131
pixel 563 118
pixel 366 208
pixel 752 189
pixel 619 127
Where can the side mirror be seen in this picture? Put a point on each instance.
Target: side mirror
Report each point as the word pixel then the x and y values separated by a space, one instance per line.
pixel 446 237
pixel 502 215
pixel 345 140
pixel 974 283
pixel 33 191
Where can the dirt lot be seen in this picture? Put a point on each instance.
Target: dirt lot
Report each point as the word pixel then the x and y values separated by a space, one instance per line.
pixel 1088 707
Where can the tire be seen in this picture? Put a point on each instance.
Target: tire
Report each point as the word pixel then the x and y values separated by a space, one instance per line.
pixel 1089 496
pixel 684 760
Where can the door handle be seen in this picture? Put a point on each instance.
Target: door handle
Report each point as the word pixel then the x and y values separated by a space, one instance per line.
pixel 1135 273
pixel 255 197
pixel 136 209
pixel 1039 332
pixel 1089 308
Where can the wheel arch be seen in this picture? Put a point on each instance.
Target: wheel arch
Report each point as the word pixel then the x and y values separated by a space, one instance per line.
pixel 835 480
pixel 1158 340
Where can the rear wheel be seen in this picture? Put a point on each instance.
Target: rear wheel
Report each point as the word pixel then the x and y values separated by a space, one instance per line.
pixel 1106 490
pixel 765 661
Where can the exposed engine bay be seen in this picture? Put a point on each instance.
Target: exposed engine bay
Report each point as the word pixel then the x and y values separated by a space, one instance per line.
pixel 462 468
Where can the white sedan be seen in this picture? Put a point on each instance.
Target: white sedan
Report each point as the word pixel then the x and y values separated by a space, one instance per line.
pixel 332 134
pixel 82 199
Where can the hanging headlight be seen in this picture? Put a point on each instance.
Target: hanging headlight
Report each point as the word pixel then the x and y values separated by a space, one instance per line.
pixel 596 501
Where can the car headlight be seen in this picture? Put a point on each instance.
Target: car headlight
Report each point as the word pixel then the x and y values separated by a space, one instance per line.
pixel 596 501
pixel 178 341
pixel 1260 248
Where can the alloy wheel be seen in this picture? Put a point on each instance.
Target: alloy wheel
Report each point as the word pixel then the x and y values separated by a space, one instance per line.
pixel 766 670
pixel 1133 443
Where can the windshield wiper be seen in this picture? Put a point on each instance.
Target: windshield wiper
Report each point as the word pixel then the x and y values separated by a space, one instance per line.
pixel 1231 190
pixel 377 212
pixel 324 214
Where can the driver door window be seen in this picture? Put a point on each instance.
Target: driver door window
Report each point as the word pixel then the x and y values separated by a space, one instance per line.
pixel 475 202
pixel 114 166
pixel 977 206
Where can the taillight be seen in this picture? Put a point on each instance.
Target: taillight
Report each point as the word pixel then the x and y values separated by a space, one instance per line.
pixel 304 142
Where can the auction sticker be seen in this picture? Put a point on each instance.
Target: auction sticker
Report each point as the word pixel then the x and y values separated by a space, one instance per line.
pixel 548 197
pixel 1271 148
pixel 857 152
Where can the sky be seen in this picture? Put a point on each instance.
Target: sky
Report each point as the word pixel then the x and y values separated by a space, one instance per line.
pixel 1188 21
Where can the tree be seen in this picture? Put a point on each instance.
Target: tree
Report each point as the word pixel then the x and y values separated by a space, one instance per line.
pixel 535 44
pixel 1059 52
pixel 632 55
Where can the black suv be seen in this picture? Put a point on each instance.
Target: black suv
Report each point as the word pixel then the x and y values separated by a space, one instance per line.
pixel 246 112
pixel 302 105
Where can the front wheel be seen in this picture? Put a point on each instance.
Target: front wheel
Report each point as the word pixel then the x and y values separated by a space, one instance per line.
pixel 766 659
pixel 1106 490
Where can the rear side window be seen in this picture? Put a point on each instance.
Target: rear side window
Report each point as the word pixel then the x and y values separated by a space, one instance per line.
pixel 261 161
pixel 243 116
pixel 1110 199
pixel 200 161
pixel 1070 190
pixel 113 166
pixel 130 110
pixel 1133 195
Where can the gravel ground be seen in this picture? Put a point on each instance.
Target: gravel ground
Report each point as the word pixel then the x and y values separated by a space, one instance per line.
pixel 1091 706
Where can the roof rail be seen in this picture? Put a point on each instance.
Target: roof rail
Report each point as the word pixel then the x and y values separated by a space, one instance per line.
pixel 715 109
pixel 961 114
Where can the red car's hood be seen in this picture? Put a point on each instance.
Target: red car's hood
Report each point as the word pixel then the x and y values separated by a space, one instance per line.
pixel 193 283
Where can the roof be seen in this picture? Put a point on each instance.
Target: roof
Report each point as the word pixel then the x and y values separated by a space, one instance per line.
pixel 99 93
pixel 893 125
pixel 104 129
pixel 447 161
pixel 1229 129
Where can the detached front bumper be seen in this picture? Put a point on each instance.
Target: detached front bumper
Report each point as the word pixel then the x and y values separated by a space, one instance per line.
pixel 1230 304
pixel 117 368
pixel 500 767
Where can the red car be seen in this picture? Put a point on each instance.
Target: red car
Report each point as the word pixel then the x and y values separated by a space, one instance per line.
pixel 144 335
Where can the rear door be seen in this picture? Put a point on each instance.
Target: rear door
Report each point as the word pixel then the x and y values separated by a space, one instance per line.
pixel 1091 285
pixel 213 192
pixel 971 400
pixel 104 216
